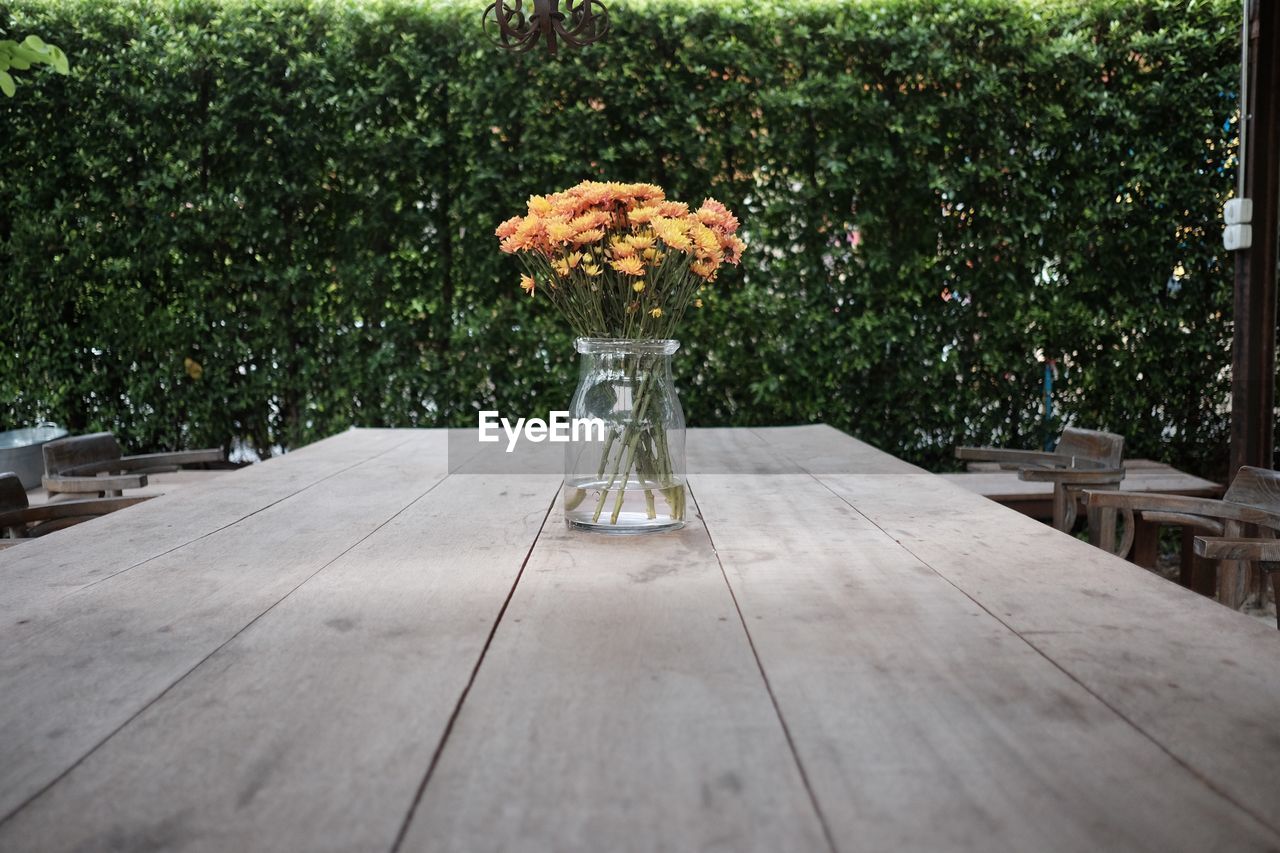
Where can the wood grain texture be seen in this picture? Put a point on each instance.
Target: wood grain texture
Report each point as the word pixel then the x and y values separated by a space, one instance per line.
pixel 619 708
pixel 820 448
pixel 313 728
pixel 77 669
pixel 48 569
pixel 1197 678
pixel 938 672
pixel 923 722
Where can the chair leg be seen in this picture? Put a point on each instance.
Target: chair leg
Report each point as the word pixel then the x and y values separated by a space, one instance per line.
pixel 1064 508
pixel 1146 543
pixel 1275 590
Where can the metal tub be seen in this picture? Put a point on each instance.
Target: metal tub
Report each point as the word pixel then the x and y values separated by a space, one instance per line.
pixel 21 451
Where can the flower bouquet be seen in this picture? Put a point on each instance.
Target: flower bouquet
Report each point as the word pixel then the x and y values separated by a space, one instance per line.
pixel 623 264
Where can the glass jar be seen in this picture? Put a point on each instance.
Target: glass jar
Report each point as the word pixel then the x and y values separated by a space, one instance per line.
pixel 624 465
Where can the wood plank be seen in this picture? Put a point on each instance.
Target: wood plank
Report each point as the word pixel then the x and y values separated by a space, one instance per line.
pixel 922 721
pixel 312 729
pixel 819 447
pixel 1199 679
pixel 619 708
pixel 51 567
pixel 76 670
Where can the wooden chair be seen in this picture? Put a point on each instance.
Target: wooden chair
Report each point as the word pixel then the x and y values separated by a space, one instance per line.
pixel 1083 457
pixel 1263 553
pixel 95 464
pixel 1252 499
pixel 20 520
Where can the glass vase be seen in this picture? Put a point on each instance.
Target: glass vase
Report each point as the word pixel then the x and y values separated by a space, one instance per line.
pixel 624 465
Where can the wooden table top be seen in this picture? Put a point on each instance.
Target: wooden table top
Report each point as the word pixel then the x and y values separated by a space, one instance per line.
pixel 347 648
pixel 1140 475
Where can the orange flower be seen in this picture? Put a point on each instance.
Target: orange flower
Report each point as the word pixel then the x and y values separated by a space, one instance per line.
pixel 540 205
pixel 592 219
pixel 527 284
pixel 507 228
pixel 628 266
pixel 620 247
pixel 559 231
pixel 733 250
pixel 703 269
pixel 641 215
pixel 715 215
pixel 582 238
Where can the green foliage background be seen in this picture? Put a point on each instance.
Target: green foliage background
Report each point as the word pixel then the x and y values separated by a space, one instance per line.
pixel 269 221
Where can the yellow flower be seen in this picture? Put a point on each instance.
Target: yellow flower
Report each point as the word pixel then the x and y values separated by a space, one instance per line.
pixel 573 258
pixel 672 232
pixel 561 266
pixel 641 215
pixel 641 242
pixel 539 205
pixel 527 284
pixel 591 269
pixel 655 313
pixel 594 235
pixel 620 248
pixel 703 269
pixel 638 287
pixel 697 303
pixel 559 231
pixel 628 266
pixel 707 241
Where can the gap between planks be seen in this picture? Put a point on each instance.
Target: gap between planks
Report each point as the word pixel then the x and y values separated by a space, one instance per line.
pixel 262 508
pixel 1207 782
pixel 1129 721
pixel 827 834
pixel 475 670
pixel 159 696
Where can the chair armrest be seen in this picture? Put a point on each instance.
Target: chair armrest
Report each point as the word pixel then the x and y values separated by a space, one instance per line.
pixel 143 462
pixel 68 509
pixel 59 483
pixel 1076 476
pixel 1182 504
pixel 1009 457
pixel 179 457
pixel 1235 548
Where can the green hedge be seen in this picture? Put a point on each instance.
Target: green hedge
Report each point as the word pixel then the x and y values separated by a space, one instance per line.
pixel 269 221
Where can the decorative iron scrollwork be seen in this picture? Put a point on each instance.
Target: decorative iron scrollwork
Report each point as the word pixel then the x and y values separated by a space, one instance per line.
pixel 581 23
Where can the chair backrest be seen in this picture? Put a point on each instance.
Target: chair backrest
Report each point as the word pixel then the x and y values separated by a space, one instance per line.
pixel 12 495
pixel 77 450
pixel 1104 447
pixel 1255 487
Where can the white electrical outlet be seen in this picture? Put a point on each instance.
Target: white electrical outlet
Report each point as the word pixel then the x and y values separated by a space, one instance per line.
pixel 1236 237
pixel 1238 211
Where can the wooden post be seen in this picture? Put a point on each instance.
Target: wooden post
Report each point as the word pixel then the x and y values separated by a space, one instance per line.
pixel 1253 358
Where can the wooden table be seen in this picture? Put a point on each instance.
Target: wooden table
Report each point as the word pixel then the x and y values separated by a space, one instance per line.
pixel 1141 475
pixel 349 649
pixel 1036 498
